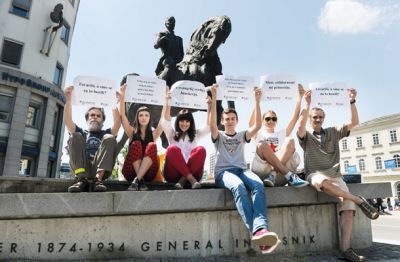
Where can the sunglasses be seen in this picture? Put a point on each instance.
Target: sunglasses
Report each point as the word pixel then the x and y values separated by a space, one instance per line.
pixel 274 118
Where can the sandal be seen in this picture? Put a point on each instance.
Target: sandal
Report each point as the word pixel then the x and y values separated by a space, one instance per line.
pixel 351 255
pixel 367 209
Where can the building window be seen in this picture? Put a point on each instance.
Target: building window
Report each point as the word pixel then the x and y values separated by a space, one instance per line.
pixel 397 160
pixel 2 160
pixel 58 75
pixel 12 52
pixel 21 7
pixel 375 139
pixel 359 142
pixel 65 32
pixel 361 164
pixel 378 163
pixel 393 136
pixel 346 165
pixel 6 105
pixel 398 190
pixel 344 144
pixel 25 167
pixel 32 118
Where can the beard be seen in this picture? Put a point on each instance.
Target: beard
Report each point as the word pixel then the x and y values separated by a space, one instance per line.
pixel 95 126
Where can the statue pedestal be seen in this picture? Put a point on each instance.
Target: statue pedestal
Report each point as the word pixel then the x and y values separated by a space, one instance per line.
pixel 167 223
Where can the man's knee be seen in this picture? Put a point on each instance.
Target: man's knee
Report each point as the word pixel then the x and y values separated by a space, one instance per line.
pixel 76 136
pixel 239 190
pixel 109 140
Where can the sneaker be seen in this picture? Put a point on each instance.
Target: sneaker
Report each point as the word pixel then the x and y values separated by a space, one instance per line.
pixel 269 180
pixel 80 185
pixel 269 249
pixel 143 186
pixel 178 186
pixel 264 238
pixel 196 185
pixel 296 182
pixel 99 186
pixel 135 186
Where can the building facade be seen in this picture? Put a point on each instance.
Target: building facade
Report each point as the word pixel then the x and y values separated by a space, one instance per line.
pixel 373 150
pixel 35 41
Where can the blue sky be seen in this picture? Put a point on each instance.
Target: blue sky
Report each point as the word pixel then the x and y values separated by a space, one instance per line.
pixel 356 42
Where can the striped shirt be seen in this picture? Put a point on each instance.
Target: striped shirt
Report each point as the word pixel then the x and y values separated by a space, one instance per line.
pixel 321 150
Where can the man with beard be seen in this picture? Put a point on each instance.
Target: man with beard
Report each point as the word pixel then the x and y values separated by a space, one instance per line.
pixel 92 152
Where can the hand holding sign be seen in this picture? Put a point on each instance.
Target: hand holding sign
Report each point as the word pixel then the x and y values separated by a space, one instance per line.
pixel 145 90
pixel 278 87
pixel 328 94
pixel 234 87
pixel 189 94
pixel 94 91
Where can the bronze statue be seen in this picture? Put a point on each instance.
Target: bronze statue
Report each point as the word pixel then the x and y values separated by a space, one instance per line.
pixel 171 46
pixel 51 31
pixel 201 62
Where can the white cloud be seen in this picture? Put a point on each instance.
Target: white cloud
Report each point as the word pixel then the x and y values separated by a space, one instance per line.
pixel 353 17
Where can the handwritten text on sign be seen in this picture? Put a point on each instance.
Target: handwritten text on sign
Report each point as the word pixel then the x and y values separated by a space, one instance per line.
pixel 94 91
pixel 278 87
pixel 328 94
pixel 145 90
pixel 235 87
pixel 189 94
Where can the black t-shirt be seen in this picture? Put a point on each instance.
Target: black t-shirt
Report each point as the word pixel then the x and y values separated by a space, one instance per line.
pixel 93 139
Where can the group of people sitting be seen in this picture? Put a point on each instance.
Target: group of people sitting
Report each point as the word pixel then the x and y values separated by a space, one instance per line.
pixel 93 152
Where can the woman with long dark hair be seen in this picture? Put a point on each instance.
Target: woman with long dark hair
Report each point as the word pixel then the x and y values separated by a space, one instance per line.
pixel 141 163
pixel 184 159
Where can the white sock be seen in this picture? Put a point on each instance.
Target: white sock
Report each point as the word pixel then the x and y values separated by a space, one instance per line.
pixel 287 176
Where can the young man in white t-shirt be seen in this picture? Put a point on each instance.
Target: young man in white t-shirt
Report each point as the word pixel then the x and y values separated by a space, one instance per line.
pixel 276 151
pixel 231 173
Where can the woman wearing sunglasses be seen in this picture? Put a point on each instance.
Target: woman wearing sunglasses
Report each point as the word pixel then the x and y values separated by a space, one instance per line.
pixel 276 159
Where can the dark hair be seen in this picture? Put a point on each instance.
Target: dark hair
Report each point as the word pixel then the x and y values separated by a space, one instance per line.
pixel 136 124
pixel 97 108
pixel 230 110
pixel 185 114
pixel 123 81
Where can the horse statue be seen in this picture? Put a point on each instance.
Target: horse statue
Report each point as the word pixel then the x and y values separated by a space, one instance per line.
pixel 200 63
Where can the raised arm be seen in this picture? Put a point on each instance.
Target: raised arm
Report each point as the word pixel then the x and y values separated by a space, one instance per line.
pixel 252 118
pixel 213 113
pixel 158 131
pixel 209 105
pixel 167 108
pixel 129 130
pixel 354 121
pixel 252 131
pixel 117 122
pixel 296 111
pixel 301 130
pixel 69 124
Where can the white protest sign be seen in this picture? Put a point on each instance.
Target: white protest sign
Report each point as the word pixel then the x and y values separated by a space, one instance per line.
pixel 278 87
pixel 189 94
pixel 145 90
pixel 235 87
pixel 94 91
pixel 329 94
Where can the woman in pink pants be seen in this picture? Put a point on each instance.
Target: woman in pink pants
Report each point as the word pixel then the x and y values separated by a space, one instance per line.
pixel 184 159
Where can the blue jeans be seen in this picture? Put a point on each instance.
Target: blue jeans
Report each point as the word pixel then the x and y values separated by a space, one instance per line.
pixel 242 182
